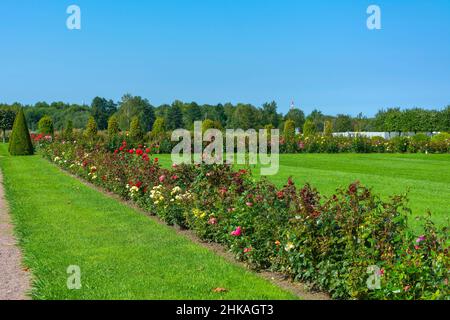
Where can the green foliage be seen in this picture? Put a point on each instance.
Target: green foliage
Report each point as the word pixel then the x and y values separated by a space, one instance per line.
pixel 441 137
pixel 20 141
pixel 68 132
pixel 131 107
pixel 444 123
pixel 297 116
pixel 343 123
pixel 59 112
pixel 90 132
pixel 361 144
pixel 318 119
pixel 210 124
pixel 289 130
pixel 393 120
pixel 136 133
pixel 309 128
pixel 400 144
pixel 7 116
pixel 289 136
pixel 159 128
pixel 245 117
pixel 192 112
pixel 419 143
pixel 328 129
pixel 102 110
pixel 269 115
pixel 113 126
pixel 174 117
pixel 46 126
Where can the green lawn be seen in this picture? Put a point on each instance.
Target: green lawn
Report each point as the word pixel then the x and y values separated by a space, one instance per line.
pixel 122 253
pixel 427 177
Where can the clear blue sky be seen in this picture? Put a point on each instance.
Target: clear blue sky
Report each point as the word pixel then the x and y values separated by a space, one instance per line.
pixel 319 53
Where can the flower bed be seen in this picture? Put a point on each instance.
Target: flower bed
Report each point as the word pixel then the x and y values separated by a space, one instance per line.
pixel 331 243
pixel 420 143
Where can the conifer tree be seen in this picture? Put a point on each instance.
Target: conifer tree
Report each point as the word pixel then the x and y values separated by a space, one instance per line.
pixel 20 141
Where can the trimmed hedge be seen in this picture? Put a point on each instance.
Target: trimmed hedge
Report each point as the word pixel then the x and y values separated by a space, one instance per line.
pixel 20 142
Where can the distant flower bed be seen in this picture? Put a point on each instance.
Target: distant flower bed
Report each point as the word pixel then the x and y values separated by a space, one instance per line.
pixel 39 138
pixel 420 143
pixel 327 144
pixel 352 244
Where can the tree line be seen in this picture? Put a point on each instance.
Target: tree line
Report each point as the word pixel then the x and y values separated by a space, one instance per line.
pixel 221 116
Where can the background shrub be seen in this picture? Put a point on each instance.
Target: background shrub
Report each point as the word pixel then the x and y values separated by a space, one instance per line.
pixel 68 132
pixel 400 144
pixel 328 129
pixel 7 117
pixel 136 133
pixel 309 128
pixel 45 126
pixel 441 137
pixel 113 126
pixel 90 132
pixel 159 129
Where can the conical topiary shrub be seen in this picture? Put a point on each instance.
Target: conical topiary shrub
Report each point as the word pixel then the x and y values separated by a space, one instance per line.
pixel 20 141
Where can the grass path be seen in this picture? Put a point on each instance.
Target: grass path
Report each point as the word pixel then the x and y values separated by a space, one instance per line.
pixel 122 254
pixel 427 177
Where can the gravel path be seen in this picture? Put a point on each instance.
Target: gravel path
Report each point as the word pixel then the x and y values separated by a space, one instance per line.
pixel 14 278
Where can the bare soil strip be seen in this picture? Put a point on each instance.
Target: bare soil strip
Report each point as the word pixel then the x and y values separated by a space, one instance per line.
pixel 15 279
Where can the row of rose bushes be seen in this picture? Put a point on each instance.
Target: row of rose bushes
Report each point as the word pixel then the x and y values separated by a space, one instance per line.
pixel 420 143
pixel 330 243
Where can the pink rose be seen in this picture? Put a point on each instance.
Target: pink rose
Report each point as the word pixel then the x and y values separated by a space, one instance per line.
pixel 237 232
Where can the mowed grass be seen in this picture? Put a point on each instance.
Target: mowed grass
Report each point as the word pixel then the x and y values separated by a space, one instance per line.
pixel 426 178
pixel 122 254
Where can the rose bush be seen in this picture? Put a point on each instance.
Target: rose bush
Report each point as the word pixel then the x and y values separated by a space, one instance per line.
pixel 330 243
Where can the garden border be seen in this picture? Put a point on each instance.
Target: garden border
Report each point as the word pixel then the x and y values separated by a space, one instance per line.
pixel 281 280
